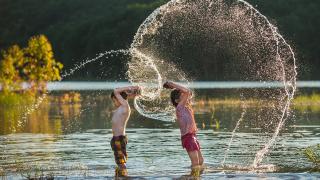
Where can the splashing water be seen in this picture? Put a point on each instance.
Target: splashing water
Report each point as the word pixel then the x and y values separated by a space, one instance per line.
pixel 233 38
pixel 82 64
pixel 153 102
pixel 234 131
pixel 289 82
pixel 32 108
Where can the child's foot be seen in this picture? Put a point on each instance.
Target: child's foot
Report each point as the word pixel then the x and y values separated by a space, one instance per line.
pixel 119 172
pixel 196 171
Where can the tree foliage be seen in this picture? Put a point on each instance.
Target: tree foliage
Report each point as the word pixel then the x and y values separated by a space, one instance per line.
pixel 34 64
pixel 39 63
pixel 9 67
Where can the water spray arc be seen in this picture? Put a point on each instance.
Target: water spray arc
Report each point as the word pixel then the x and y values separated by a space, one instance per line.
pixel 244 110
pixel 287 86
pixel 239 19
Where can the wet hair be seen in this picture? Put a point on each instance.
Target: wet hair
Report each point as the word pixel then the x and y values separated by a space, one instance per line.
pixel 123 94
pixel 175 94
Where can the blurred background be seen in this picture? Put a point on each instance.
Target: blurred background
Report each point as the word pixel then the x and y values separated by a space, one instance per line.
pixel 80 29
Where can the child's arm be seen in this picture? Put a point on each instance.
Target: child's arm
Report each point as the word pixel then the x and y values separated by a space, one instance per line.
pixel 130 90
pixel 172 85
pixel 117 94
pixel 133 90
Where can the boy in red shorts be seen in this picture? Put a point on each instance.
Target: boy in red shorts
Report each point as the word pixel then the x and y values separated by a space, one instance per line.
pixel 180 98
pixel 119 122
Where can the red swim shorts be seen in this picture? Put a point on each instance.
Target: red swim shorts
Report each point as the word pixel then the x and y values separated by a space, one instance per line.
pixel 190 142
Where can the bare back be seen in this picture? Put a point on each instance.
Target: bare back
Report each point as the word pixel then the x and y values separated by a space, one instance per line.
pixel 119 119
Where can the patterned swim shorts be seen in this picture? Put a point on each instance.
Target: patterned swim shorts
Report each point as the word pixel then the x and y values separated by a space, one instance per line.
pixel 118 145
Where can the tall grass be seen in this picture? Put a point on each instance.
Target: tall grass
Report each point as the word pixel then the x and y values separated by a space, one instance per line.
pixel 312 153
pixel 307 103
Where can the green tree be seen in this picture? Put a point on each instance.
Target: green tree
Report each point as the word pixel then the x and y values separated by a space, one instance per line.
pixel 9 72
pixel 34 64
pixel 39 65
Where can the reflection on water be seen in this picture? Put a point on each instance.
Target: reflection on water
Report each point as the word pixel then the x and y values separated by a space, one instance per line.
pixel 69 134
pixel 53 115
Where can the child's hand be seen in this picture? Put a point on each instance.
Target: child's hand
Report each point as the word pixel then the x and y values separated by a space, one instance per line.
pixel 138 90
pixel 134 90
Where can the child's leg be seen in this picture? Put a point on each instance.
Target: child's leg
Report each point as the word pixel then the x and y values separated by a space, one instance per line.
pixel 121 170
pixel 118 145
pixel 196 163
pixel 195 166
pixel 194 157
pixel 191 144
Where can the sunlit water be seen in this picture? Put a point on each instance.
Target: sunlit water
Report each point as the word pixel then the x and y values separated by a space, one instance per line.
pixel 72 140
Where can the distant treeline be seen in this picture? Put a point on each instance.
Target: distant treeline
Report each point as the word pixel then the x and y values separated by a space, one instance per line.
pixel 79 29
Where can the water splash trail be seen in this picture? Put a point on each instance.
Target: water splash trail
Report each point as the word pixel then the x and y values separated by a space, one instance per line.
pixel 265 150
pixel 31 109
pixel 285 113
pixel 151 91
pixel 151 64
pixel 261 153
pixel 87 61
pixel 153 22
pixel 244 110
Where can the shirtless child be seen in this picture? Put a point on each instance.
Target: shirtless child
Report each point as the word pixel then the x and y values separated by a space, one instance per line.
pixel 180 98
pixel 119 121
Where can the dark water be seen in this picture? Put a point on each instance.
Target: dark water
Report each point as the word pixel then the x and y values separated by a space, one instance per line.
pixel 68 135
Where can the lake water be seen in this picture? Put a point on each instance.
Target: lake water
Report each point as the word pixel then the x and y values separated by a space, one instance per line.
pixel 69 135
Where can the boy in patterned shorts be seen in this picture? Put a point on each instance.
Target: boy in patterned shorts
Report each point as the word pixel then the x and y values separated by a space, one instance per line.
pixel 119 121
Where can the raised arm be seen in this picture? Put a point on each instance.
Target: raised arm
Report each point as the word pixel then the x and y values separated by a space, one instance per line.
pixel 134 90
pixel 172 85
pixel 130 90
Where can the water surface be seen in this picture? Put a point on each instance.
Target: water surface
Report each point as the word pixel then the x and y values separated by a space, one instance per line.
pixel 68 138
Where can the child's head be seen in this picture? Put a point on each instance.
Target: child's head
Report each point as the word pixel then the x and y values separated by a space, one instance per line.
pixel 115 100
pixel 175 97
